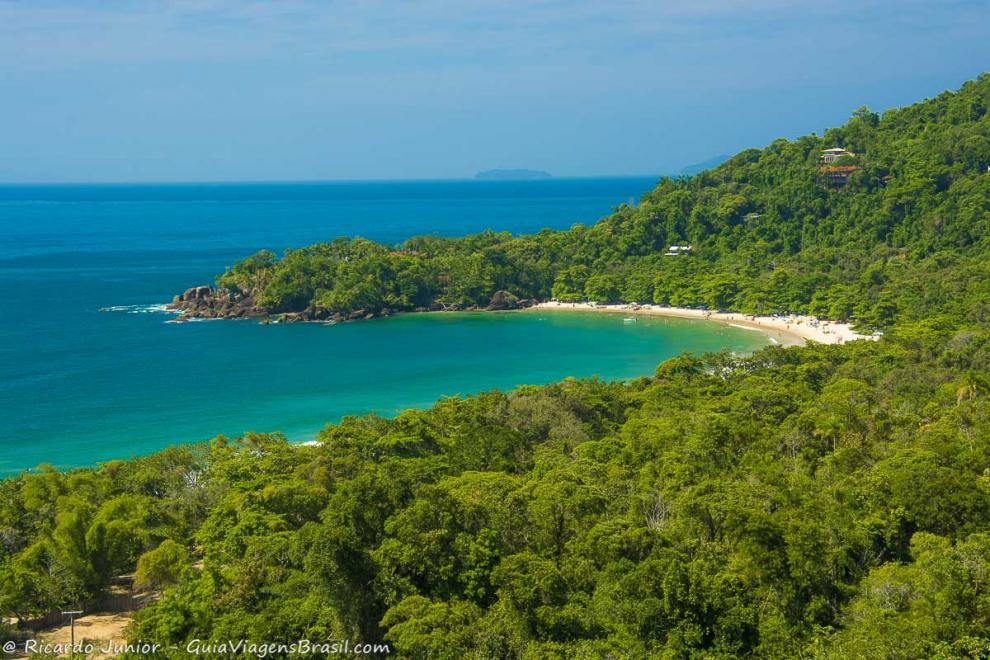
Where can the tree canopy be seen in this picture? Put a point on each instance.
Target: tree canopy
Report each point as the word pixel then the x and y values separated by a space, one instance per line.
pixel 815 501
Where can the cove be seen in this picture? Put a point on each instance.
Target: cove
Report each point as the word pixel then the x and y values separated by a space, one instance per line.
pixel 78 385
pixel 162 383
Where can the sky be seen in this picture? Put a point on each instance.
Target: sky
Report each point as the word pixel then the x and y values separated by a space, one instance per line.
pixel 239 90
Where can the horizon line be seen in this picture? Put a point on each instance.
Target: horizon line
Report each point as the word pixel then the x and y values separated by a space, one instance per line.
pixel 221 182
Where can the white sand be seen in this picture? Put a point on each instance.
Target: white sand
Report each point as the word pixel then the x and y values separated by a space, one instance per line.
pixel 788 330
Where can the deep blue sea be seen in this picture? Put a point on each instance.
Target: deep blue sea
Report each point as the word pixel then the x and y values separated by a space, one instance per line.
pixel 78 385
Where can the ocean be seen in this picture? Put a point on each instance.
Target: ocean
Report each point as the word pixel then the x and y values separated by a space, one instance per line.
pixel 79 385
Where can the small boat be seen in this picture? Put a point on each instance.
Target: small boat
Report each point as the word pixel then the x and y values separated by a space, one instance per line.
pixel 629 319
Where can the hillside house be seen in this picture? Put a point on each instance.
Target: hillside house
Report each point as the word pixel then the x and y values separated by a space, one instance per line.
pixel 678 251
pixel 834 154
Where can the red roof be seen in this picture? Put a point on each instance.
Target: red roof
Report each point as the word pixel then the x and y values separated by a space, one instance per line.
pixel 835 169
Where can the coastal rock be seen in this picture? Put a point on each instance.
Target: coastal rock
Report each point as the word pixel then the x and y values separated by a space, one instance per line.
pixel 209 303
pixel 503 300
pixel 197 293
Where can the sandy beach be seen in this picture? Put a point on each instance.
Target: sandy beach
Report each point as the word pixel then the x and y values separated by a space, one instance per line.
pixel 786 330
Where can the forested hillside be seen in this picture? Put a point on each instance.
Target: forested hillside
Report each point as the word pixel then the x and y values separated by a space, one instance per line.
pixel 769 233
pixel 807 501
pixel 819 501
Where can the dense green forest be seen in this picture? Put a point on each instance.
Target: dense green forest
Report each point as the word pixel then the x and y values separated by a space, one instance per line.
pixel 768 234
pixel 817 501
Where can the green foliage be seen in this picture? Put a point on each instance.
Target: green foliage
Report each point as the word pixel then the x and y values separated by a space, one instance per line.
pixel 936 605
pixel 64 536
pixel 817 501
pixel 162 566
pixel 834 499
pixel 432 630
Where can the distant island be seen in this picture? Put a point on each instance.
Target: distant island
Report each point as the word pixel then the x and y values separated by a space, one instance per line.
pixel 512 175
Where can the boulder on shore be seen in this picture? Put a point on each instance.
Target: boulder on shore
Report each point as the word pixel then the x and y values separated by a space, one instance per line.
pixel 503 300
pixel 207 302
pixel 197 293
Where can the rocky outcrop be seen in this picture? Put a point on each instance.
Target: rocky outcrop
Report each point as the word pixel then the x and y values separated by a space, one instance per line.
pixel 197 293
pixel 504 300
pixel 314 314
pixel 205 302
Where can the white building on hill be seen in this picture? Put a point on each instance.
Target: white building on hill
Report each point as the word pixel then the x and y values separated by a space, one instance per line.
pixel 834 154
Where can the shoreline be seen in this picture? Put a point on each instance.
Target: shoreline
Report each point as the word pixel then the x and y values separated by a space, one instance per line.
pixel 785 330
pixel 788 330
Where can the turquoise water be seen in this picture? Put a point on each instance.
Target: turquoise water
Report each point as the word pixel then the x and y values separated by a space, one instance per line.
pixel 78 385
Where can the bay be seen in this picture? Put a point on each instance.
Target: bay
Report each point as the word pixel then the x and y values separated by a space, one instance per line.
pixel 78 385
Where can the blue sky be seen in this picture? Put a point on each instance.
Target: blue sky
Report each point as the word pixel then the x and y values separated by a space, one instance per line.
pixel 226 90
